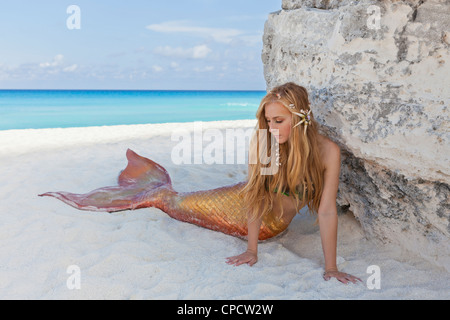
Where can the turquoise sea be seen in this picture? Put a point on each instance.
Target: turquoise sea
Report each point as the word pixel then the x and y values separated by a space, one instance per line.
pixel 35 109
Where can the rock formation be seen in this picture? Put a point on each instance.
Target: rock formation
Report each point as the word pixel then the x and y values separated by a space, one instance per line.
pixel 378 73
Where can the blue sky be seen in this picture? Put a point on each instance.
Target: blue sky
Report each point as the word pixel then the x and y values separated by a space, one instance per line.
pixel 135 44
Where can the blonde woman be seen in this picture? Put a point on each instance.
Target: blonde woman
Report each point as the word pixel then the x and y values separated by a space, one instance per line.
pixel 308 175
pixel 305 173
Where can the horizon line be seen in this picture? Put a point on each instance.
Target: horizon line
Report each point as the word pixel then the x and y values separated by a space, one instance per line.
pixel 258 90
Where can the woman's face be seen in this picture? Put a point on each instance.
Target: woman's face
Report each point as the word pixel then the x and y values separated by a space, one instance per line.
pixel 278 117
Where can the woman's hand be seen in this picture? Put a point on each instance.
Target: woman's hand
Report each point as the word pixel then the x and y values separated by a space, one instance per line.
pixel 341 276
pixel 249 257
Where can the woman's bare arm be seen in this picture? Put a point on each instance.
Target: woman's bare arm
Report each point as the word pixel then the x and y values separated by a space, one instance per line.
pixel 251 255
pixel 328 220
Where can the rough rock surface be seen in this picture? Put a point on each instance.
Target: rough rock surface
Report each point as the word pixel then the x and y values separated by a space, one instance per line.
pixel 378 73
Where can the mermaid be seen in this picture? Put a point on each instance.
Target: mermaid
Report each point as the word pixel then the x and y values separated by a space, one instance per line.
pixel 306 173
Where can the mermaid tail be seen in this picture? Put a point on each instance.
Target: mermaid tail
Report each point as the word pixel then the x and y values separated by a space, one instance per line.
pixel 144 183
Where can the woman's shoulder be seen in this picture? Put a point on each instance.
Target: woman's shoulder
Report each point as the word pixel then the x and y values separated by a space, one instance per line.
pixel 329 150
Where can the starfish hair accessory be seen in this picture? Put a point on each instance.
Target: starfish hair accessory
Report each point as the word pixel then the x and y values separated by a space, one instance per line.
pixel 276 93
pixel 305 118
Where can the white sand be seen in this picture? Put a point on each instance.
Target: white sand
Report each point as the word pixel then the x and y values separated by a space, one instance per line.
pixel 144 254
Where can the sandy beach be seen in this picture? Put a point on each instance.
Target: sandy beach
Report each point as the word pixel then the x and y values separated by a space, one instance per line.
pixel 144 254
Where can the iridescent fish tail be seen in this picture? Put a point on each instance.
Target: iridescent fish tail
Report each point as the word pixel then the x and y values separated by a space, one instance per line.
pixel 144 183
pixel 135 183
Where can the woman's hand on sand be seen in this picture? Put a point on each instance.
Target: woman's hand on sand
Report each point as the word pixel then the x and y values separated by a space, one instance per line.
pixel 249 257
pixel 341 276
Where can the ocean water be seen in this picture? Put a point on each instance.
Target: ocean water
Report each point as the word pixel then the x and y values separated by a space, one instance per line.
pixel 35 109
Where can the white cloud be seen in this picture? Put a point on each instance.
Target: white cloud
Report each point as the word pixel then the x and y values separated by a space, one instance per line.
pixel 157 68
pixel 37 70
pixel 200 52
pixel 223 35
pixel 197 52
pixel 57 61
pixel 70 68
pixel 204 69
pixel 252 39
pixel 175 66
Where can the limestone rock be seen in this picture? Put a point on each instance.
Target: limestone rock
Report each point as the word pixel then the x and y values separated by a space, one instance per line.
pixel 378 73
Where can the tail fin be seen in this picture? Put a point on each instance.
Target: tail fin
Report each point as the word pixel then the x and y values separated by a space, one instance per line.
pixel 139 178
pixel 142 171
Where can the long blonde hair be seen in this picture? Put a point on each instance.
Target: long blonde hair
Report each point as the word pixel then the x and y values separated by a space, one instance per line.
pixel 300 170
